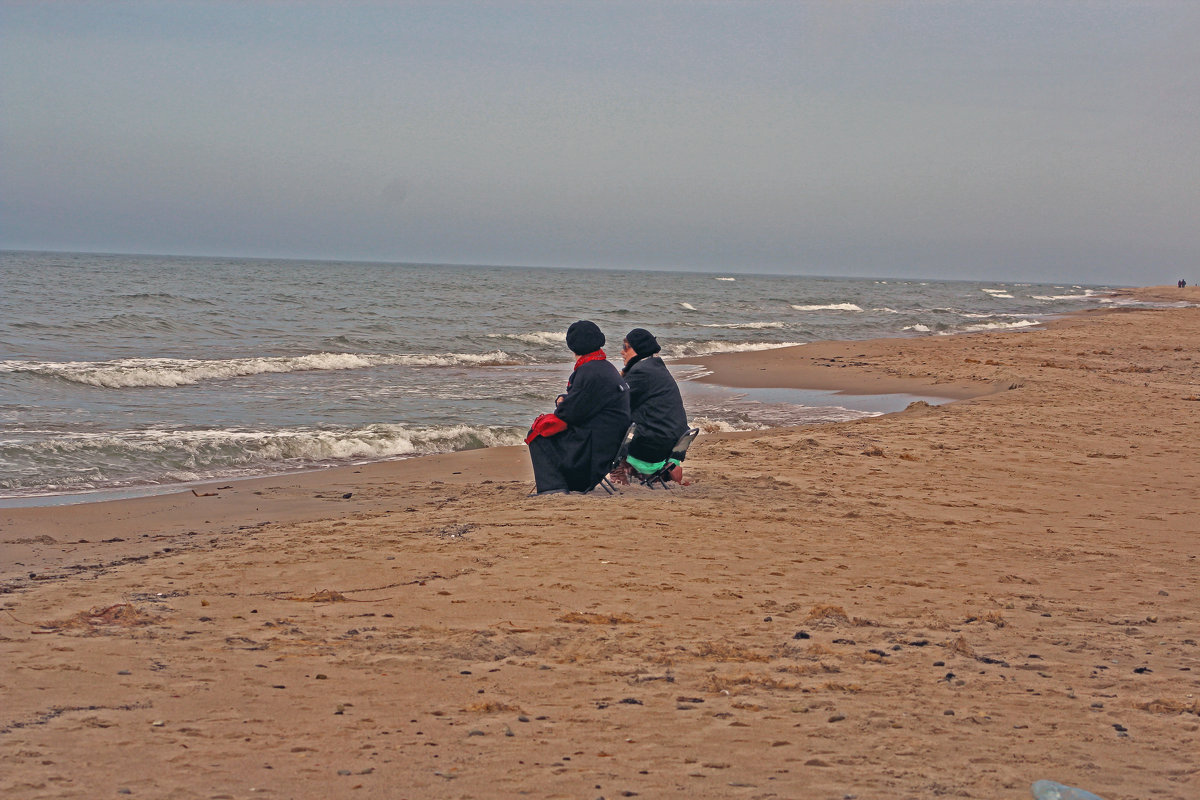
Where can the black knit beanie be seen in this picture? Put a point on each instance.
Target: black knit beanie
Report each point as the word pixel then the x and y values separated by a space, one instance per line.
pixel 584 337
pixel 642 342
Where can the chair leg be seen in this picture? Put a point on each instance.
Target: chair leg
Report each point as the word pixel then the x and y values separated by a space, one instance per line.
pixel 661 478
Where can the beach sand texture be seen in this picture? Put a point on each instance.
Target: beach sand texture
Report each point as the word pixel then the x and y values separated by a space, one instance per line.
pixel 953 600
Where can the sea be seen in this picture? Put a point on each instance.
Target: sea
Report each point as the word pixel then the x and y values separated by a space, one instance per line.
pixel 123 375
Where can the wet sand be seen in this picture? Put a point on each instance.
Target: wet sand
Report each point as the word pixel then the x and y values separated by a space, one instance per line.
pixel 953 600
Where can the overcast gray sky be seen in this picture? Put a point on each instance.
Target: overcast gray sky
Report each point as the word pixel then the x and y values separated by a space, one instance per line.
pixel 998 140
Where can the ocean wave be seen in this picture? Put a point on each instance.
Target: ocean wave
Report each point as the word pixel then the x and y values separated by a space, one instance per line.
pixel 829 307
pixel 122 458
pixel 539 338
pixel 169 372
pixel 710 425
pixel 141 323
pixel 1087 296
pixel 991 315
pixel 1000 326
pixel 709 348
pixel 122 322
pixel 348 341
pixel 165 297
pixel 999 294
pixel 725 279
pixel 754 326
pixel 687 306
pixel 919 328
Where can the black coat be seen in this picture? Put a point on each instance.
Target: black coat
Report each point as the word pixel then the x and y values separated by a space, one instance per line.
pixel 657 409
pixel 596 410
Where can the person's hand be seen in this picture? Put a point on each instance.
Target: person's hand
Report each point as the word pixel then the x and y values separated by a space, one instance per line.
pixel 558 400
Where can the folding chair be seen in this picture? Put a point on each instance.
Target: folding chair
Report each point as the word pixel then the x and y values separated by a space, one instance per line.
pixel 622 451
pixel 678 452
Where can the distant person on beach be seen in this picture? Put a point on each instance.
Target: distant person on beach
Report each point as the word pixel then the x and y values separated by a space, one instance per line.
pixel 655 403
pixel 572 448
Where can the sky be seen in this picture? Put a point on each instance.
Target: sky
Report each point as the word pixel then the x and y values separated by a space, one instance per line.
pixel 1021 141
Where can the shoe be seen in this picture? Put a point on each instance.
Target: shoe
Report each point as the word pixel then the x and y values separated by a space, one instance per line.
pixel 619 475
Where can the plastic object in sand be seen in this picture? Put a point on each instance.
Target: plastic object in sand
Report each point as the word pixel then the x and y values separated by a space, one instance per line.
pixel 1052 790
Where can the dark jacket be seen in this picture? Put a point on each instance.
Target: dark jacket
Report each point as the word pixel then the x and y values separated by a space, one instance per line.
pixel 657 409
pixel 596 410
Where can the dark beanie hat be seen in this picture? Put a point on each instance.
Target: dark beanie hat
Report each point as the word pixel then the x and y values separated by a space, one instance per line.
pixel 584 337
pixel 642 342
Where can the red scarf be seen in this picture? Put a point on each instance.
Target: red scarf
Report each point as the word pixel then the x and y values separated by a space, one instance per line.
pixel 598 355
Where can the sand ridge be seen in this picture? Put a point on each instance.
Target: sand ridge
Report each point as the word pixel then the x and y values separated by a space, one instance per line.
pixel 954 600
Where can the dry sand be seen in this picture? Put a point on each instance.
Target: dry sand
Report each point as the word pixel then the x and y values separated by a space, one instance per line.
pixel 953 600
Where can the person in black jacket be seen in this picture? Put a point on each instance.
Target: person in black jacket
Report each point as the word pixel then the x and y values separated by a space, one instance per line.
pixel 654 399
pixel 572 448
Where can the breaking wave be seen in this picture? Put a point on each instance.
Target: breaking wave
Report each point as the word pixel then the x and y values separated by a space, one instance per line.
pixel 709 348
pixel 167 372
pixel 539 338
pixel 966 315
pixel 1088 295
pixel 830 307
pixel 711 425
pixel 752 326
pixel 1000 326
pixel 79 462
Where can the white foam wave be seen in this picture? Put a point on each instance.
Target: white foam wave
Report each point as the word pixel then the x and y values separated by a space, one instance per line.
pixel 710 425
pixel 727 279
pixel 709 348
pixel 1000 326
pixel 543 338
pixel 1087 296
pixel 919 328
pixel 997 292
pixel 172 455
pixel 753 326
pixel 687 306
pixel 829 307
pixel 169 372
pixel 968 315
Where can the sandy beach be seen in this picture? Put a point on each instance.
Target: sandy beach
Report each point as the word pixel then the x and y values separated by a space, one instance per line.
pixel 953 600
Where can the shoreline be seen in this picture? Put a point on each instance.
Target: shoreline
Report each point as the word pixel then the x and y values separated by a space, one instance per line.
pixel 957 599
pixel 851 367
pixel 826 366
pixel 877 366
pixel 915 389
pixel 187 511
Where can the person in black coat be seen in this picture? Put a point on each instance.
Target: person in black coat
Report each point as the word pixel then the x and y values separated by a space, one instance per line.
pixel 654 398
pixel 572 448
